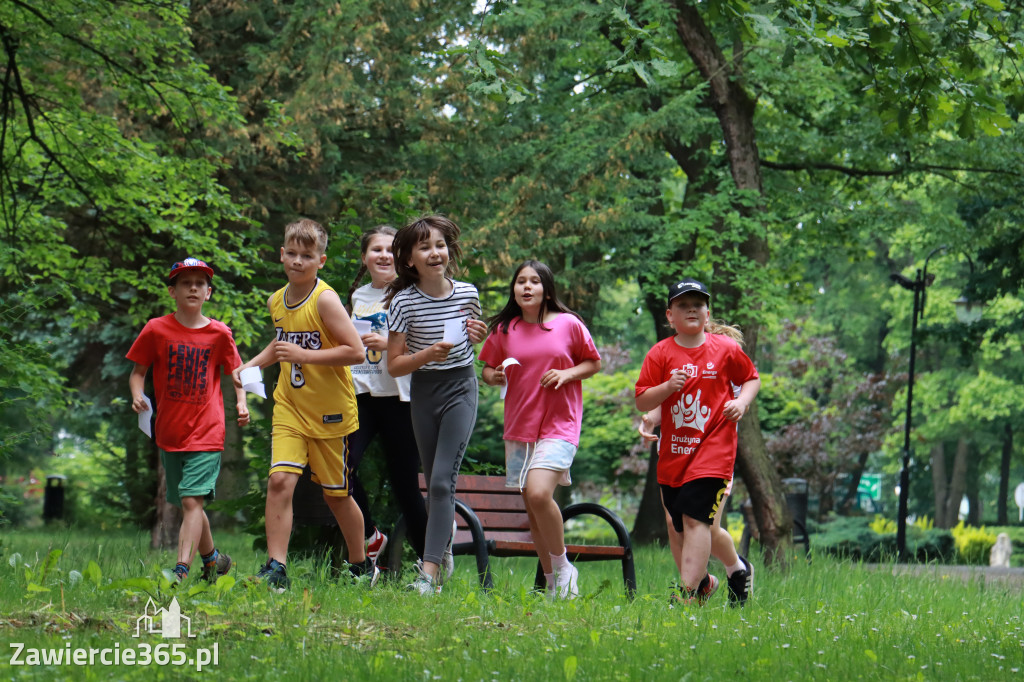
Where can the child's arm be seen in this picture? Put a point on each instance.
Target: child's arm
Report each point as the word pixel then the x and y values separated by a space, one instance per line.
pixel 648 422
pixel 349 351
pixel 656 395
pixel 242 406
pixel 137 385
pixel 401 363
pixel 556 378
pixel 494 376
pixel 735 409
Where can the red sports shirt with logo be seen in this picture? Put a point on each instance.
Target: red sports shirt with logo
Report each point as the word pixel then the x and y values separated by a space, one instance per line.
pixel 187 364
pixel 697 441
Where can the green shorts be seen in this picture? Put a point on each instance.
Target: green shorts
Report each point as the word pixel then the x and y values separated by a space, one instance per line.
pixel 190 474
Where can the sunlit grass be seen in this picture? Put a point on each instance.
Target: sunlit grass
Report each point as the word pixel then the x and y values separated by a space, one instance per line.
pixel 824 620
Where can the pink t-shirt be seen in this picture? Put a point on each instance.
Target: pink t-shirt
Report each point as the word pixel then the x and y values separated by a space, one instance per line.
pixel 187 364
pixel 533 412
pixel 697 441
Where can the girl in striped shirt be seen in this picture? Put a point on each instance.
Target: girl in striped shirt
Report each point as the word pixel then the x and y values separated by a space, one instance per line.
pixel 433 322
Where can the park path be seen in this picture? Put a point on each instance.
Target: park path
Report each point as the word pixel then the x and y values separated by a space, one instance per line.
pixel 991 575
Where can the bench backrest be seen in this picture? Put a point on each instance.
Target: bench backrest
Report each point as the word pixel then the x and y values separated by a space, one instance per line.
pixel 501 510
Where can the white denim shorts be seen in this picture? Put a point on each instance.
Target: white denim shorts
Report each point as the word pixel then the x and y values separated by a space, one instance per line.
pixel 547 453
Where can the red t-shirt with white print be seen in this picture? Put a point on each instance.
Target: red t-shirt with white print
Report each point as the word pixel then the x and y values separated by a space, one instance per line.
pixel 697 441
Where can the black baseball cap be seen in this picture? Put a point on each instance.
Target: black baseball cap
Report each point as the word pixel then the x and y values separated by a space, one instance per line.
pixel 687 286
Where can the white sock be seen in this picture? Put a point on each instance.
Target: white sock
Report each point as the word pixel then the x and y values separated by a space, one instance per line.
pixel 729 570
pixel 559 562
pixel 550 578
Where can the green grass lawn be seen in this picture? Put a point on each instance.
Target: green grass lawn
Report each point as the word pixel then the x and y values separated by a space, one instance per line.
pixel 825 620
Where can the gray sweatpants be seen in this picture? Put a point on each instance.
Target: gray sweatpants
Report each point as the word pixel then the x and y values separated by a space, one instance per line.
pixel 443 406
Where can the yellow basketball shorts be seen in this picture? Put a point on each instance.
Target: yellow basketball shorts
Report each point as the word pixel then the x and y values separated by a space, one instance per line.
pixel 327 458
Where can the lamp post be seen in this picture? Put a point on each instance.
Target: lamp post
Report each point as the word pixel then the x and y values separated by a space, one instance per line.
pixel 968 313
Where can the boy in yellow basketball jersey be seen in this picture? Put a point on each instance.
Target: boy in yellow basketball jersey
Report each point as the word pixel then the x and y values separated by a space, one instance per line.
pixel 315 403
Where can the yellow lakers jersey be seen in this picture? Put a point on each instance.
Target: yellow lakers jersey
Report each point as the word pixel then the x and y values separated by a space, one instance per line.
pixel 318 401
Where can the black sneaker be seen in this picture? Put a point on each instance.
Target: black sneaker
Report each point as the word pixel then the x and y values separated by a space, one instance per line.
pixel 273 573
pixel 681 596
pixel 366 572
pixel 741 584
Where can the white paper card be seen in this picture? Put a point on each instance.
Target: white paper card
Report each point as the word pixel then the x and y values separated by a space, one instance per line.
pixel 252 381
pixel 454 330
pixel 509 362
pixel 146 417
pixel 363 327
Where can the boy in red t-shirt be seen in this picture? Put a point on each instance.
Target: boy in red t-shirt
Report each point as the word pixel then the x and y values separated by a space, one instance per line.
pixel 188 353
pixel 690 376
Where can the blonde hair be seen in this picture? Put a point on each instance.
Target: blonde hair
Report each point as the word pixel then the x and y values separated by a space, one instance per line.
pixel 308 233
pixel 714 326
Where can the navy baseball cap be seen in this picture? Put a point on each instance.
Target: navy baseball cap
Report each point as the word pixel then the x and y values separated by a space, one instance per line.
pixel 687 286
pixel 190 264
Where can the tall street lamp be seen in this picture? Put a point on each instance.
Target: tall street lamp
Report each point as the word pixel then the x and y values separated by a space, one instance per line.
pixel 968 313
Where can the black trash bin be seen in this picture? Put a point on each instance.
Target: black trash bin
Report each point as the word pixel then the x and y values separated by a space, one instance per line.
pixel 53 498
pixel 796 500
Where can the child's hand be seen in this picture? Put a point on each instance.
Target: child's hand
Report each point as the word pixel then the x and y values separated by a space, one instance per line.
pixel 374 341
pixel 288 352
pixel 677 381
pixel 139 404
pixel 646 428
pixel 243 413
pixel 477 330
pixel 734 410
pixel 556 378
pixel 497 376
pixel 236 376
pixel 439 351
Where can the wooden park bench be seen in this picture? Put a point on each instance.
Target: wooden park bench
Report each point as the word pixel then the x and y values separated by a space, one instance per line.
pixel 492 521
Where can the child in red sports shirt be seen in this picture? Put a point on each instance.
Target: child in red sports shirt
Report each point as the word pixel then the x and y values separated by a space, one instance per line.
pixel 188 352
pixel 691 377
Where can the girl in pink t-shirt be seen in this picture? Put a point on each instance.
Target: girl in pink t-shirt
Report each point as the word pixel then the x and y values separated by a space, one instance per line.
pixel 540 351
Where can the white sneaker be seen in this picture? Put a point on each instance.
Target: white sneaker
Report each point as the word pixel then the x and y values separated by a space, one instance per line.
pixel 565 583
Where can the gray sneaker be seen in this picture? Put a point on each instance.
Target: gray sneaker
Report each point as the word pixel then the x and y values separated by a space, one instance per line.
pixel 423 583
pixel 219 568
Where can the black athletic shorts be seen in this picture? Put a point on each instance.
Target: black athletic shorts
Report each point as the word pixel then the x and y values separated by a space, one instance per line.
pixel 699 499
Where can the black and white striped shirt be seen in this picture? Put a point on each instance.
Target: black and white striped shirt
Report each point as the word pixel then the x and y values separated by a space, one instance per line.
pixel 422 318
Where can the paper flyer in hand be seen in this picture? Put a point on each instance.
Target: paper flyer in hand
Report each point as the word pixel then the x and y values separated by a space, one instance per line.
pixel 454 330
pixel 363 327
pixel 252 381
pixel 509 362
pixel 146 417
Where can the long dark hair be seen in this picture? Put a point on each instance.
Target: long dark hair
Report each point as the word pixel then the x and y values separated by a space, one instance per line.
pixel 512 310
pixel 406 240
pixel 364 244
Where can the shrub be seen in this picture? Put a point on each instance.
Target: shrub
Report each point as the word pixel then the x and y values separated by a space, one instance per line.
pixel 973 544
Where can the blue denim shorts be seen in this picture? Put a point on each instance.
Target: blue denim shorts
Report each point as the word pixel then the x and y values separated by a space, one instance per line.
pixel 547 453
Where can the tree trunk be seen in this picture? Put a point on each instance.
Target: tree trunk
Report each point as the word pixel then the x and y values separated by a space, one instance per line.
pixel 168 517
pixel 957 482
pixel 734 108
pixel 940 485
pixel 1004 475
